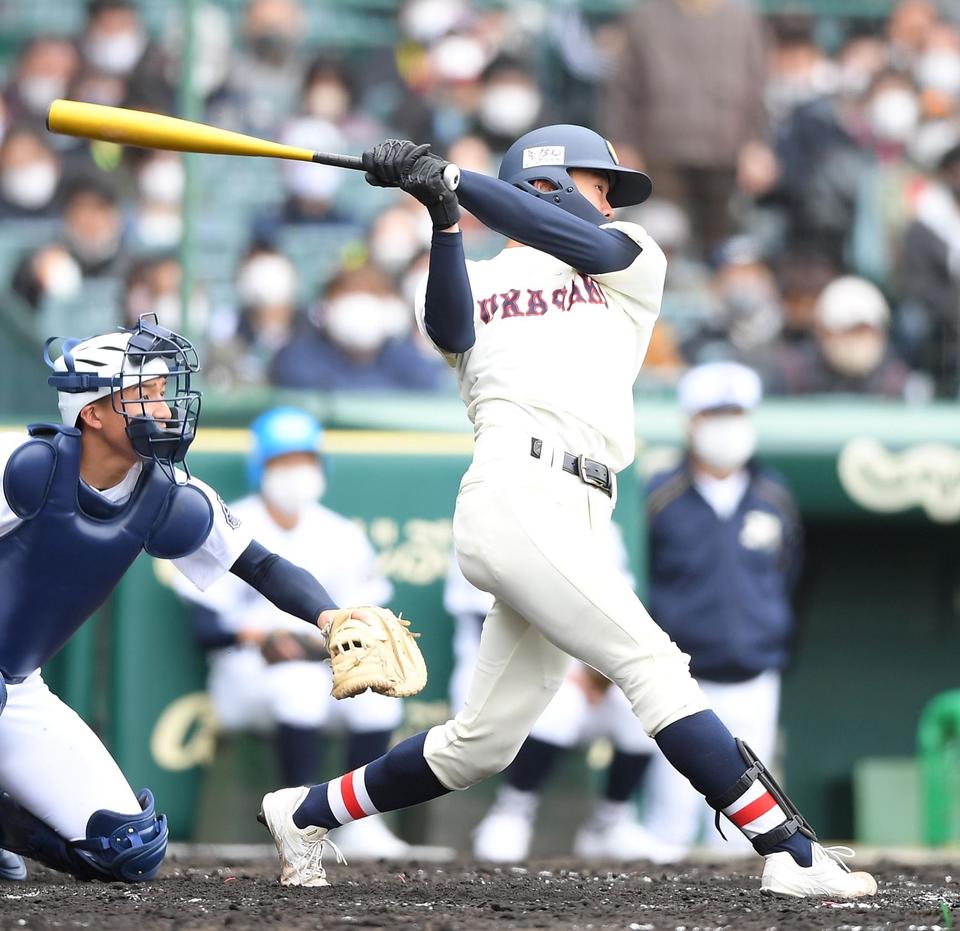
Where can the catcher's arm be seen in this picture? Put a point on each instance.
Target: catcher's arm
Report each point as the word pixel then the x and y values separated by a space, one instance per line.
pixel 287 586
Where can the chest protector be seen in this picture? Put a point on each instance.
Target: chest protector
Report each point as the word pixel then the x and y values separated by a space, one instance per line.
pixel 65 558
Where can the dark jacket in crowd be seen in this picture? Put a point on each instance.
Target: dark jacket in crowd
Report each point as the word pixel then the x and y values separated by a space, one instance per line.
pixel 720 588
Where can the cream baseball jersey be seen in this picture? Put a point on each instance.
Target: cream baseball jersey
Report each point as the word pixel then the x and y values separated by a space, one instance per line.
pixel 557 351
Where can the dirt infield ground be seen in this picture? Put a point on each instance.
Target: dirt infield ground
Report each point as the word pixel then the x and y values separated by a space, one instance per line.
pixel 449 897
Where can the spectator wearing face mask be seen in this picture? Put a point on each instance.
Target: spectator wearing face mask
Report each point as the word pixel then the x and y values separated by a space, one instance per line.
pixel 725 551
pixel 45 67
pixel 511 103
pixel 361 340
pixel 114 37
pixel 93 227
pixel 850 352
pixel 929 317
pixel 268 317
pixel 152 286
pixel 30 174
pixel 746 312
pixel 266 670
pixel 49 273
pixel 330 95
pixel 268 69
pixel 156 218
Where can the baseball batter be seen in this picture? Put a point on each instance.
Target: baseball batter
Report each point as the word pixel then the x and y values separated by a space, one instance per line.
pixel 547 339
pixel 80 501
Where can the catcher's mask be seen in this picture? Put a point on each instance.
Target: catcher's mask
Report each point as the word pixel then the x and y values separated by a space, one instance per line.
pixel 113 364
pixel 547 154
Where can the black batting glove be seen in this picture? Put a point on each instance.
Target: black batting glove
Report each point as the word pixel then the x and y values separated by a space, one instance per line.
pixel 387 163
pixel 425 183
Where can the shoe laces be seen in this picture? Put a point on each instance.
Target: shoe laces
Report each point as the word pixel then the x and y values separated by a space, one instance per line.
pixel 313 860
pixel 839 854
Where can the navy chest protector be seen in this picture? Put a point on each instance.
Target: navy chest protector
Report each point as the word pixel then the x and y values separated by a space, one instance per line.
pixel 66 557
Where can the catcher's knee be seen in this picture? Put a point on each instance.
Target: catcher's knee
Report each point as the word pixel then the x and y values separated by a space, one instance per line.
pixel 118 847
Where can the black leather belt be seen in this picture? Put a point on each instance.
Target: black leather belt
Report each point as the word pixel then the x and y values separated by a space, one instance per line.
pixel 589 471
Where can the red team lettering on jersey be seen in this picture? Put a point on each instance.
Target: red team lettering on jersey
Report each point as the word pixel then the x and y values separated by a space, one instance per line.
pixel 512 304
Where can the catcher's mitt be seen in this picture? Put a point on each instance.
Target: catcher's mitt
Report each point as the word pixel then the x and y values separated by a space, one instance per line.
pixel 372 648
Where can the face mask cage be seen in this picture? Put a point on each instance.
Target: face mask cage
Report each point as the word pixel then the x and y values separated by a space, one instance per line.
pixel 161 426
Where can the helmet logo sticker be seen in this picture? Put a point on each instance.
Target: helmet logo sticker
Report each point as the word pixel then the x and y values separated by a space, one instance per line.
pixel 544 155
pixel 612 151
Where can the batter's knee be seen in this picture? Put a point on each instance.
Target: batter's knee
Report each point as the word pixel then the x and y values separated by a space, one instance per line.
pixel 461 758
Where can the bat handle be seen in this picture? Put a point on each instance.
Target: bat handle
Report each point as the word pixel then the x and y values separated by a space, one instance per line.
pixel 451 174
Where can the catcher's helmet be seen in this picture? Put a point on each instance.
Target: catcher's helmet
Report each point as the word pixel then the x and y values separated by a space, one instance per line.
pixel 547 153
pixel 282 430
pixel 101 366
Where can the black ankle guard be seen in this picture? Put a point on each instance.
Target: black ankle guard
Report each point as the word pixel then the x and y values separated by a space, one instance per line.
pixel 795 823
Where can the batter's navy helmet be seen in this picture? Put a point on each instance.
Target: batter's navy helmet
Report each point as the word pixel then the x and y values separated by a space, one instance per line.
pixel 547 153
pixel 282 430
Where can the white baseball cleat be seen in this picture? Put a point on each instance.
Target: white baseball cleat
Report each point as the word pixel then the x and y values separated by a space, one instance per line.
pixel 369 839
pixel 828 875
pixel 624 841
pixel 503 837
pixel 300 849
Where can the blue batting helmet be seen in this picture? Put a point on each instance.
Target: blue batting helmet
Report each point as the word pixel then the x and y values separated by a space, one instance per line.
pixel 546 154
pixel 282 430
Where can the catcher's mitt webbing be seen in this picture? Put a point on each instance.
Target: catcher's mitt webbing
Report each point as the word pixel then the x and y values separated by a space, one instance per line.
pixel 372 648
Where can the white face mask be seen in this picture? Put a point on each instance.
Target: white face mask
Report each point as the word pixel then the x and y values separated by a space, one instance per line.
pixel 292 489
pixel 267 280
pixel 31 186
pixel 393 251
pixel 159 229
pixel 893 115
pixel 161 180
pixel 115 54
pixel 724 441
pixel 60 275
pixel 38 92
pixel 364 322
pixel 509 109
pixel 854 354
pixel 939 70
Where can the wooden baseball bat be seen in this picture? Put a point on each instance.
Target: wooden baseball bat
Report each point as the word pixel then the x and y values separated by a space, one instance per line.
pixel 156 131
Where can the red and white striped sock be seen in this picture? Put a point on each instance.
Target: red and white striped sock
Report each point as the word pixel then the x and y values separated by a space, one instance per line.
pixel 348 798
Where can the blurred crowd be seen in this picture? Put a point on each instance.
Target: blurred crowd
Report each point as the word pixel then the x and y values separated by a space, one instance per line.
pixel 806 180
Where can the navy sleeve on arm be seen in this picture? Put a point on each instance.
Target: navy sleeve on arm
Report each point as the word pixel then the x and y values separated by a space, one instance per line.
pixel 209 630
pixel 288 587
pixel 536 223
pixel 448 309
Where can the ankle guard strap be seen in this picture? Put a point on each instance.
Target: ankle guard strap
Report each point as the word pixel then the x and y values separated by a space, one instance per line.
pixel 757 772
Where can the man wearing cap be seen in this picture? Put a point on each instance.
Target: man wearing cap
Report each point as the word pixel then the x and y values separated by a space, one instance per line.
pixel 850 352
pixel 724 543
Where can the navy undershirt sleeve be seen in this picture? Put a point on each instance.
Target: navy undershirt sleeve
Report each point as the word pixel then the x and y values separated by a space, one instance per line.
pixel 448 309
pixel 209 630
pixel 290 588
pixel 537 223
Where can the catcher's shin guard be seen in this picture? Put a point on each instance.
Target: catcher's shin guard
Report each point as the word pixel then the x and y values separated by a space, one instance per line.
pixel 767 799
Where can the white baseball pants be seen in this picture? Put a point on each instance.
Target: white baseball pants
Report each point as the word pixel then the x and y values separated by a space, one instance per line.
pixel 53 765
pixel 527 532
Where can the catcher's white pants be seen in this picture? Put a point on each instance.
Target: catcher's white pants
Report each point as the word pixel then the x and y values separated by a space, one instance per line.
pixel 528 532
pixel 248 693
pixel 53 765
pixel 673 810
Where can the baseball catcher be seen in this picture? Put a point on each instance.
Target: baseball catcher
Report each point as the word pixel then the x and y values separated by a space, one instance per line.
pixel 80 501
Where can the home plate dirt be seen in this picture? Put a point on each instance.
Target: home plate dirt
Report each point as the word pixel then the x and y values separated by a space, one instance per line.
pixel 194 893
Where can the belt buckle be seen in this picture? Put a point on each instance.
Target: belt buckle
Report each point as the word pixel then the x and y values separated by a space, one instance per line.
pixel 589 479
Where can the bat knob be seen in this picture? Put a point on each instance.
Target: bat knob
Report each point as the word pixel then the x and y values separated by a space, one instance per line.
pixel 451 177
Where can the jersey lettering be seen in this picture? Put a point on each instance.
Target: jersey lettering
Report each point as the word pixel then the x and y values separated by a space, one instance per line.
pixel 488 307
pixel 509 307
pixel 594 294
pixel 559 298
pixel 536 305
pixel 576 295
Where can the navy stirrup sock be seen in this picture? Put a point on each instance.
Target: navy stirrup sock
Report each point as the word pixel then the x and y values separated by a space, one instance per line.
pixel 533 765
pixel 398 779
pixel 299 752
pixel 702 749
